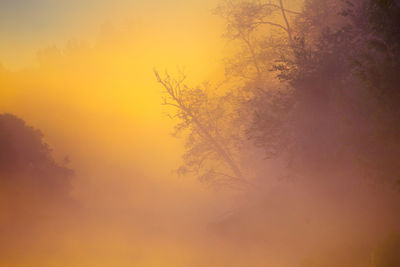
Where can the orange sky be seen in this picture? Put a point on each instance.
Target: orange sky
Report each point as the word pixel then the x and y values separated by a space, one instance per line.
pixel 91 86
pixel 82 73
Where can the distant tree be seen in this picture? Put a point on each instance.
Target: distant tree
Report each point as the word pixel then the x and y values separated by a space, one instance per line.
pixel 32 184
pixel 23 150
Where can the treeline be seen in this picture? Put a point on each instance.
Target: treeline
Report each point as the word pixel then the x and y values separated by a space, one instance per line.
pixel 312 93
pixel 316 88
pixel 34 188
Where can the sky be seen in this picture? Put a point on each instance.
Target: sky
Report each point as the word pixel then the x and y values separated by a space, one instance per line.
pixel 116 44
pixel 28 25
pixel 82 73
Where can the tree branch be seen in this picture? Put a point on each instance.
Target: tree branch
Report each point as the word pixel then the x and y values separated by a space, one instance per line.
pixel 174 92
pixel 277 6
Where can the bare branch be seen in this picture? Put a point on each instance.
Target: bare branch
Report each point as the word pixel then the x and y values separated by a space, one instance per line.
pixel 173 88
pixel 272 24
pixel 277 6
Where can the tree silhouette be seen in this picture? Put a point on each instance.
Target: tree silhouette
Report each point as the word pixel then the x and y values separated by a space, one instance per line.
pixel 322 89
pixel 30 178
pixel 210 152
pixel 246 22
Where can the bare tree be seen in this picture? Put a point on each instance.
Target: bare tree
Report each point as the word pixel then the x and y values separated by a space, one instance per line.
pixel 211 149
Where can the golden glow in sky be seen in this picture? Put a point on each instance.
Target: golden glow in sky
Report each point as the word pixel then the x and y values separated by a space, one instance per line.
pixel 88 67
pixel 82 73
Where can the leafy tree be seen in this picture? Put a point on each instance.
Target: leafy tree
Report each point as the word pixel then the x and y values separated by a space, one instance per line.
pixel 247 23
pixel 333 99
pixel 33 185
pixel 217 123
pixel 264 32
pixel 377 66
pixel 343 80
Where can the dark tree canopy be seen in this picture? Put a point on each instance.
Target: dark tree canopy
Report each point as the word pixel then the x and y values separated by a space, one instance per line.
pixel 23 151
pixel 34 188
pixel 29 176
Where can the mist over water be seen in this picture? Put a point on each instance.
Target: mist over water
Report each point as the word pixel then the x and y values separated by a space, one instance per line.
pixel 277 144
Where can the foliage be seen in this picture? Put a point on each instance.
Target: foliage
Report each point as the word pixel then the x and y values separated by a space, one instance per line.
pixel 251 24
pixel 344 80
pixel 30 179
pixel 333 100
